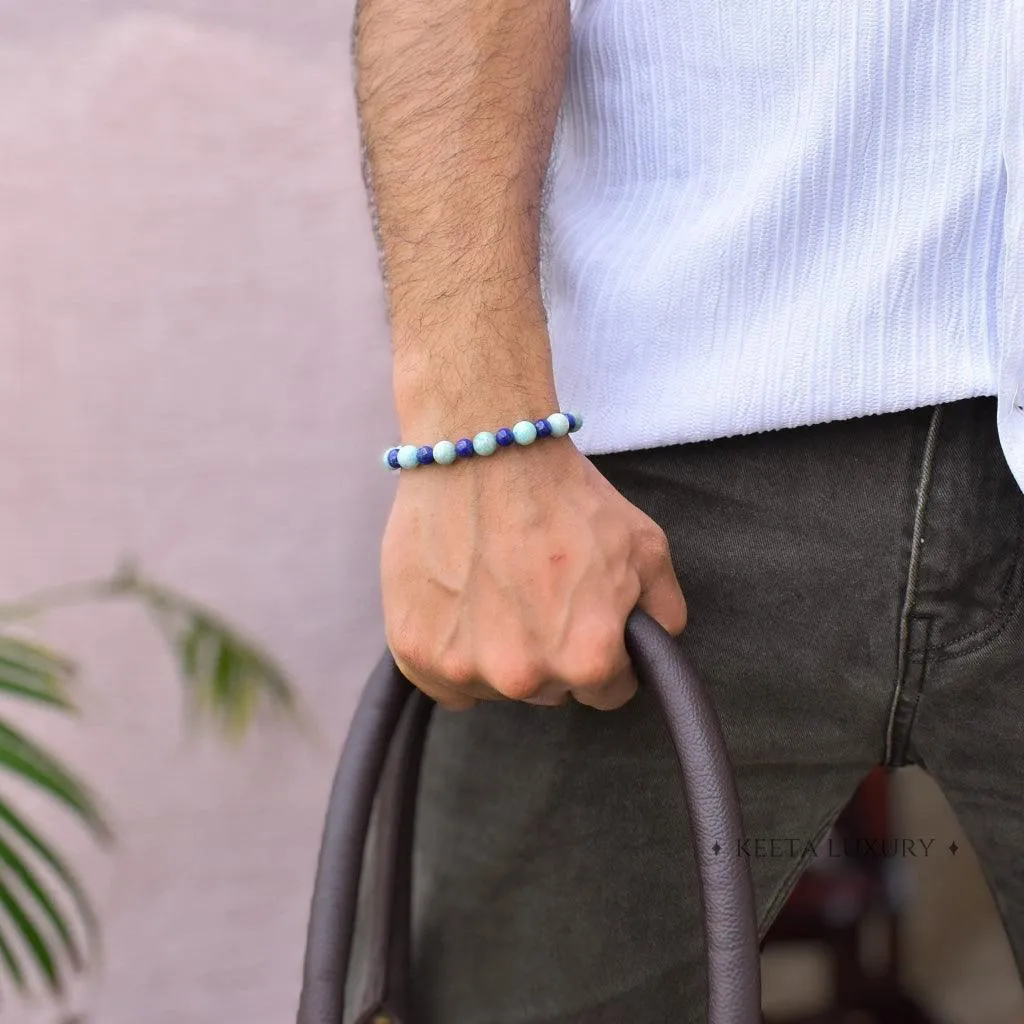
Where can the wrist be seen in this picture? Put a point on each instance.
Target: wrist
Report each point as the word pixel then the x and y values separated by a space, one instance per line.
pixel 440 416
pixel 463 386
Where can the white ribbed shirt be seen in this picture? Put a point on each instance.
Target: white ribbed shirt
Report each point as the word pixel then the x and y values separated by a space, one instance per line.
pixel 769 213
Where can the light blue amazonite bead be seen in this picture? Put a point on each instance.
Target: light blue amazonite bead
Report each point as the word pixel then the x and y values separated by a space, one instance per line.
pixel 407 456
pixel 485 443
pixel 524 432
pixel 559 424
pixel 444 453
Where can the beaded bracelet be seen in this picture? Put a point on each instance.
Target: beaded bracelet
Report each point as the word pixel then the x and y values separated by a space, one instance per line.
pixel 444 453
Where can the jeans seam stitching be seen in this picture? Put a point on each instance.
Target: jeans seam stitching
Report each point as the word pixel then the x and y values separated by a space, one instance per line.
pixel 910 588
pixel 991 632
pixel 923 657
pixel 783 889
pixel 969 643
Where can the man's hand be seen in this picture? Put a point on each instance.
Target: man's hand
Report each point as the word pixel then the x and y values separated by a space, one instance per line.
pixel 512 576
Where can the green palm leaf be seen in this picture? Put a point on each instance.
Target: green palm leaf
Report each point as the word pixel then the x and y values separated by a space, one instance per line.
pixel 23 757
pixel 34 673
pixel 13 826
pixel 27 896
pixel 43 907
pixel 12 964
pixel 228 678
pixel 20 846
pixel 34 940
pixel 35 888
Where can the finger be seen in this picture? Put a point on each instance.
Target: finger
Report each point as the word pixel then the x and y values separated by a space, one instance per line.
pixel 447 696
pixel 611 695
pixel 661 596
pixel 481 691
pixel 553 695
pixel 450 700
pixel 478 690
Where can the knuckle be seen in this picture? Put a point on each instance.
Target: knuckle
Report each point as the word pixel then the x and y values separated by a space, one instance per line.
pixel 591 675
pixel 517 681
pixel 414 651
pixel 598 659
pixel 456 670
pixel 408 648
pixel 653 542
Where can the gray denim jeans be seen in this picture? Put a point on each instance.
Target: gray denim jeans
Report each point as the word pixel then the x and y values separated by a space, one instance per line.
pixel 854 593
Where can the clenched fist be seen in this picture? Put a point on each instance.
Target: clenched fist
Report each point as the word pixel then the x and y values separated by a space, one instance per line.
pixel 511 577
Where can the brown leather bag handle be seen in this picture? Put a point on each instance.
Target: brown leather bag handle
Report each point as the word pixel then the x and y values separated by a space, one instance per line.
pixel 381 757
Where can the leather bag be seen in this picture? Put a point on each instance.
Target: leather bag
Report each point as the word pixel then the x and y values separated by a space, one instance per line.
pixel 379 767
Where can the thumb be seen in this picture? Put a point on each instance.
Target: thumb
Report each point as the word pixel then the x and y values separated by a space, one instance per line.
pixel 660 593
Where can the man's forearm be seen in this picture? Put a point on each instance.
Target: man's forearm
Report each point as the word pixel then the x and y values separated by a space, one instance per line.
pixel 458 101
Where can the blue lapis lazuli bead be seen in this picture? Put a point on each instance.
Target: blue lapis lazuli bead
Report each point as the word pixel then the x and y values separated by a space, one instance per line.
pixel 572 420
pixel 543 428
pixel 464 448
pixel 504 437
pixel 425 455
pixel 393 458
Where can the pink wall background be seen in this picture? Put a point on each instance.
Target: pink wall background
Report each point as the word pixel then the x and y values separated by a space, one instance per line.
pixel 196 371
